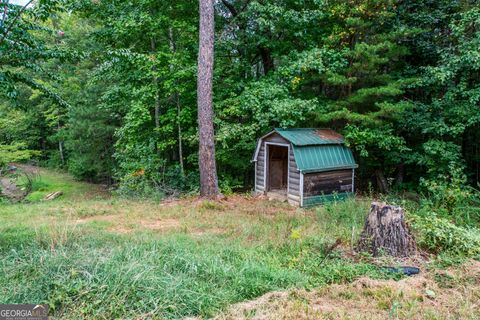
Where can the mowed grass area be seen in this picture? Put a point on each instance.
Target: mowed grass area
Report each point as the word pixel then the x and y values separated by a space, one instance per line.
pixel 92 256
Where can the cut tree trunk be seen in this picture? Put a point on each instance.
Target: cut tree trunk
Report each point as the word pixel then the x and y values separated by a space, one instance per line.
pixel 386 232
pixel 206 153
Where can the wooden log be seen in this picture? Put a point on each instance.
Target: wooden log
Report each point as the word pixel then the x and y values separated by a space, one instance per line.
pixel 53 195
pixel 293 197
pixel 386 232
pixel 295 180
pixel 293 186
pixel 294 174
pixel 294 192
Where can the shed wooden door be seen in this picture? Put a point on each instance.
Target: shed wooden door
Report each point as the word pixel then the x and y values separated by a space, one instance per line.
pixel 277 167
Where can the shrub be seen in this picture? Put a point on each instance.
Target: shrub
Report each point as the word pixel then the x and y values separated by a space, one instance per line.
pixel 440 235
pixel 450 197
pixel 148 182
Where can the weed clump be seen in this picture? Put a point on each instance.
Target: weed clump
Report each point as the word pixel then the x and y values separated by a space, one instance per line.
pixel 440 235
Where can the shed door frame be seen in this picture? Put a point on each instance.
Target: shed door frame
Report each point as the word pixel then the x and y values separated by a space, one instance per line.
pixel 265 155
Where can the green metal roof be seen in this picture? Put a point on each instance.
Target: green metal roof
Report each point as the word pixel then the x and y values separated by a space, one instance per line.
pixel 323 157
pixel 310 136
pixel 316 150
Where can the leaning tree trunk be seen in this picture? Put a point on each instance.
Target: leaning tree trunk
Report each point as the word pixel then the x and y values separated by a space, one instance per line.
pixel 386 232
pixel 206 153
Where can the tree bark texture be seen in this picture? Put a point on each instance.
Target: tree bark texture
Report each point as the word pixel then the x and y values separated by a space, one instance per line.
pixel 386 232
pixel 267 60
pixel 400 174
pixel 382 182
pixel 206 153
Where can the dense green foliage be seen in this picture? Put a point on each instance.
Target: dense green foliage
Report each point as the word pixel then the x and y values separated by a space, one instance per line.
pixel 399 79
pixel 440 235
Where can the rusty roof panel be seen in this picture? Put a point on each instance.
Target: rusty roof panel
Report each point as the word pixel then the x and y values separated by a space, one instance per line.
pixel 311 136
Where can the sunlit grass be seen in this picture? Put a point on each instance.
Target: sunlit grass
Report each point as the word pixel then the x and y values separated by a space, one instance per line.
pixel 98 257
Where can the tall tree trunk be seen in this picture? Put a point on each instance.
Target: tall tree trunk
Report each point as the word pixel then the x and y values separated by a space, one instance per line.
pixel 5 11
pixel 60 146
pixel 382 182
pixel 155 83
pixel 400 174
pixel 206 153
pixel 267 59
pixel 60 141
pixel 176 98
pixel 179 127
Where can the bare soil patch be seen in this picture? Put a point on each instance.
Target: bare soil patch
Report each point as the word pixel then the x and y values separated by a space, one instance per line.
pixel 122 225
pixel 161 224
pixel 109 218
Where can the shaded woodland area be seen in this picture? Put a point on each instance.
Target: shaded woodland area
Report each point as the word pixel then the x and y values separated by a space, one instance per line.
pixel 107 89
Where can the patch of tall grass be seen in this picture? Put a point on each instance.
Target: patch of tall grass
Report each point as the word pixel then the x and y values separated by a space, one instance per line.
pixel 82 274
pixel 343 219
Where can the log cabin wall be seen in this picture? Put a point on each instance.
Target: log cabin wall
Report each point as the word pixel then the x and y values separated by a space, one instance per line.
pixel 293 196
pixel 260 169
pixel 325 183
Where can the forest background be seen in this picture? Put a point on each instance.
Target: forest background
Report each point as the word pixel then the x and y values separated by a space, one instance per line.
pixel 107 89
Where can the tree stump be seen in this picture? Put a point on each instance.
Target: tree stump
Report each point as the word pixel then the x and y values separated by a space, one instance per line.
pixel 386 232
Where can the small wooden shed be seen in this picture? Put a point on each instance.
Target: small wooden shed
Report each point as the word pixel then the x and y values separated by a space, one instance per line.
pixel 304 166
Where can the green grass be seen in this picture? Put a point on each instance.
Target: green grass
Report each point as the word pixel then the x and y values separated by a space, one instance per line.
pixel 102 258
pixel 52 181
pixel 82 274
